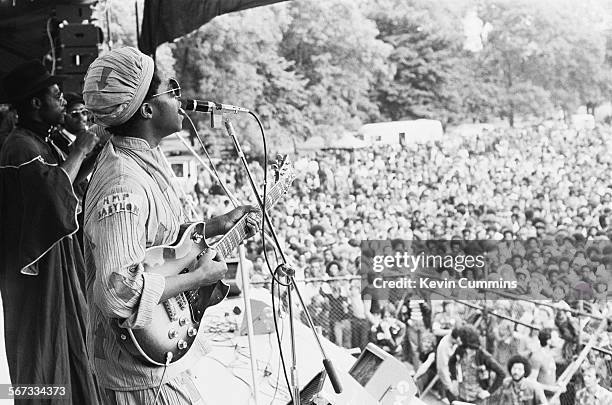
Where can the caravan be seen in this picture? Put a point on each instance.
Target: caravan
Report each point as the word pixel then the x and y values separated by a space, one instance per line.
pixel 402 133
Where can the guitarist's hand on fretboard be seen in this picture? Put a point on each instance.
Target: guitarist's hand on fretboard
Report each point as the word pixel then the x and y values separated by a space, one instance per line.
pixel 252 222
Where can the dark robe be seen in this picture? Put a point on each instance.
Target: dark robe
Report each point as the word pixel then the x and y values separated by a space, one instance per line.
pixel 44 309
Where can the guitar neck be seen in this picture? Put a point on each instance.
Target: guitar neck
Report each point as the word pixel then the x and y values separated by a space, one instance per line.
pixel 237 234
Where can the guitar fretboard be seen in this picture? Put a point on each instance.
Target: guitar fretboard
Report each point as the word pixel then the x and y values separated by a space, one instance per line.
pixel 237 234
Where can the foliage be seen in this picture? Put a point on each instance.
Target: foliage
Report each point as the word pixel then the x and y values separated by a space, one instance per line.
pixel 538 60
pixel 334 48
pixel 235 62
pixel 327 66
pixel 423 62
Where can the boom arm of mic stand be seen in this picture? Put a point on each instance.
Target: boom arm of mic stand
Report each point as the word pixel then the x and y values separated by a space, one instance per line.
pixel 290 272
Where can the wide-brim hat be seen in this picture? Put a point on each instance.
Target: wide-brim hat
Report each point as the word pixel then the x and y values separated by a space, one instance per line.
pixel 26 80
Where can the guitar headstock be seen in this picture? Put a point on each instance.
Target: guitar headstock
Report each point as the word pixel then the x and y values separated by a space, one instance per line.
pixel 283 171
pixel 276 166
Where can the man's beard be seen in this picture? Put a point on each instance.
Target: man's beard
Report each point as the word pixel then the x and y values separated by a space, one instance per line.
pixel 517 380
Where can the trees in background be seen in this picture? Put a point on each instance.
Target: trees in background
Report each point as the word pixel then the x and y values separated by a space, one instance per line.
pixel 423 62
pixel 322 67
pixel 543 54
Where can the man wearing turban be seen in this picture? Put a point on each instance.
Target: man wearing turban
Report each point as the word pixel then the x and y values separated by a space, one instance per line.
pixel 133 204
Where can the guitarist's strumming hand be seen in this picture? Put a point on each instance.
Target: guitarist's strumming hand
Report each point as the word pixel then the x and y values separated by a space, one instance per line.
pixel 211 268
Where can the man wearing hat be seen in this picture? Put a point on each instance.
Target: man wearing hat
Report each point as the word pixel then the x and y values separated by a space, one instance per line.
pixel 40 259
pixel 133 204
pixel 75 121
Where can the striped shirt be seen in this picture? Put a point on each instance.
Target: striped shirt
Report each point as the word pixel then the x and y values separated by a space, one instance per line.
pixel 131 205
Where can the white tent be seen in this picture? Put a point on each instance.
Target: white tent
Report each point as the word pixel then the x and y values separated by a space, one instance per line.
pixel 348 141
pixel 314 143
pixel 402 132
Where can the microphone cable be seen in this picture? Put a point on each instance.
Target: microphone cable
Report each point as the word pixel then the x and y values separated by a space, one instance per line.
pixel 265 253
pixel 168 360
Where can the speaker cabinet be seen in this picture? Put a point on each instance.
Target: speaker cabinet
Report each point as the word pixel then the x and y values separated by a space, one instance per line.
pixel 79 35
pixel 76 59
pixel 73 13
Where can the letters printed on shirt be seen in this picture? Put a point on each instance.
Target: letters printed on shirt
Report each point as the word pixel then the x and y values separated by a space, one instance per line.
pixel 118 202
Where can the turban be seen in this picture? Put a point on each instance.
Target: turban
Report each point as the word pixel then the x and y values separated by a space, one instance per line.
pixel 116 85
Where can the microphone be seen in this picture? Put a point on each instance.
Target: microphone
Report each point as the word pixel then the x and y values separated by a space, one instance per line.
pixel 210 106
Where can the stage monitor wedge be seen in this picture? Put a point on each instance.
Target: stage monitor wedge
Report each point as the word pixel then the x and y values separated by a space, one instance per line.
pixel 383 376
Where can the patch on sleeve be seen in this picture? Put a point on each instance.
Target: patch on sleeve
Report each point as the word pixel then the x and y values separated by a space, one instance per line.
pixel 120 284
pixel 118 202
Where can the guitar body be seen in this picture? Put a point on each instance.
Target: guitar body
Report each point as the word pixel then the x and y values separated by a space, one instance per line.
pixel 176 321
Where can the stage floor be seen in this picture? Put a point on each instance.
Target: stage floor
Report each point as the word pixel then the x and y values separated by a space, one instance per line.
pixel 227 369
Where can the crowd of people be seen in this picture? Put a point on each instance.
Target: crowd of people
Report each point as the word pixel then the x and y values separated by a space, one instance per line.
pixel 535 201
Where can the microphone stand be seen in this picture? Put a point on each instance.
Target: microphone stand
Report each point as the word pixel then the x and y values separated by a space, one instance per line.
pixel 289 273
pixel 243 276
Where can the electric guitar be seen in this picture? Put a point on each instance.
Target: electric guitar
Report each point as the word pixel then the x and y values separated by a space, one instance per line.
pixel 176 321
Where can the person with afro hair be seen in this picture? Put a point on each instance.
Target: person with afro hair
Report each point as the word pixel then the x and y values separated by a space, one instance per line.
pixel 517 389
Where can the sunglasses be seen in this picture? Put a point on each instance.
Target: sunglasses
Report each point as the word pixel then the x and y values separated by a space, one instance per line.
pixel 79 113
pixel 173 87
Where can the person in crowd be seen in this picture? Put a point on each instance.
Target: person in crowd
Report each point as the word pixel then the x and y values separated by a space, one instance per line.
pixel 373 299
pixel 359 322
pixel 447 346
pixel 543 366
pixel 415 313
pixel 592 393
pixel 427 358
pixel 41 262
pixel 388 332
pixel 508 342
pixel 444 322
pixel 569 331
pixel 133 204
pixel 338 299
pixel 473 368
pixel 517 389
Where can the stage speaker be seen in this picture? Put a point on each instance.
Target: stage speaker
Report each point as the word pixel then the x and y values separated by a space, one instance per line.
pixel 79 35
pixel 77 49
pixel 73 13
pixel 76 59
pixel 383 376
